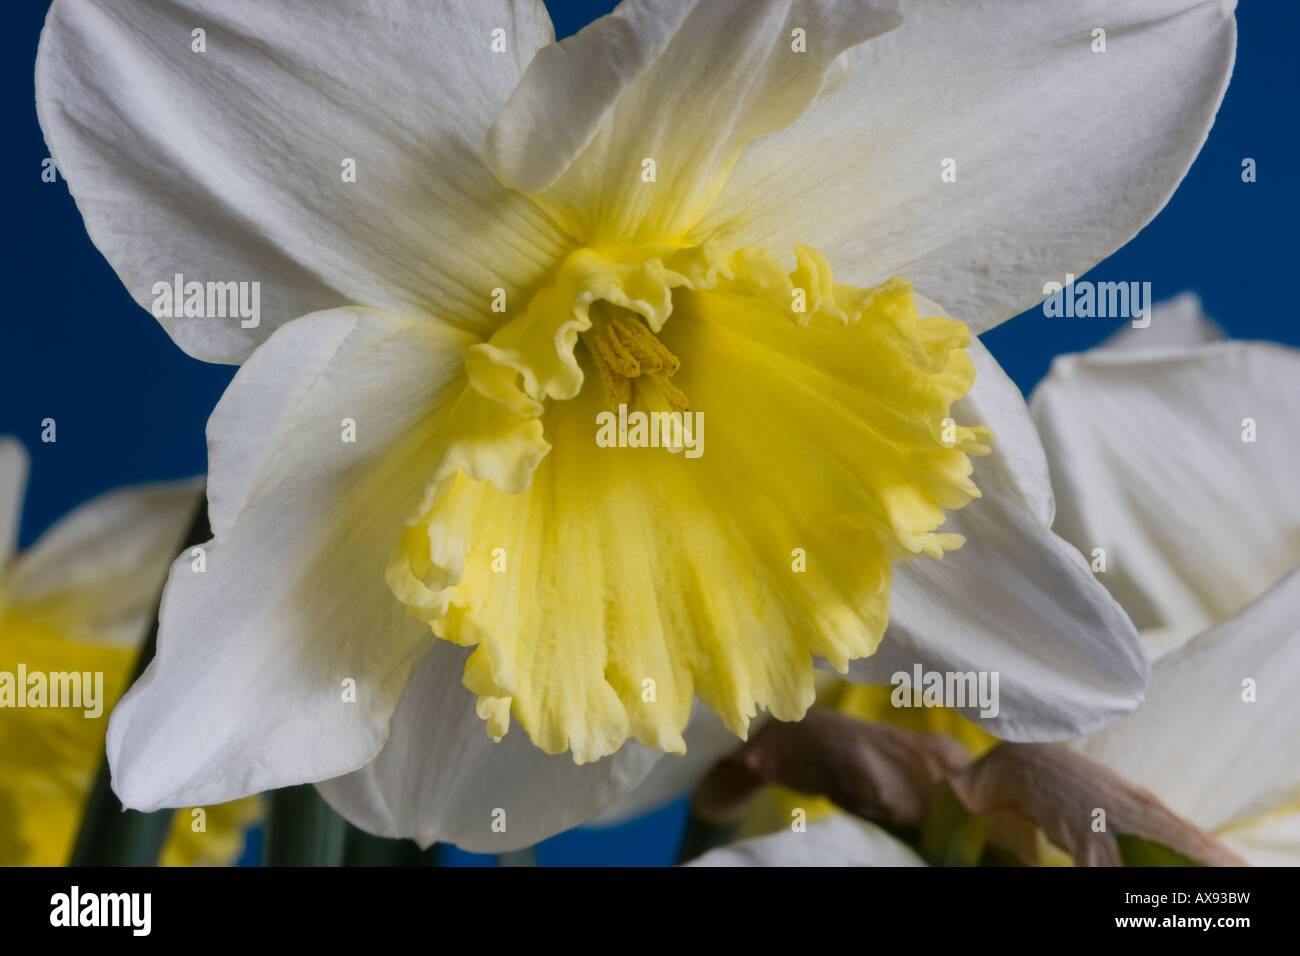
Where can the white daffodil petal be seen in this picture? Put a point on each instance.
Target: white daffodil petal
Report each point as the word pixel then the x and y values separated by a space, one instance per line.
pixel 100 568
pixel 707 741
pixel 1179 323
pixel 1180 466
pixel 329 152
pixel 629 128
pixel 1274 841
pixel 282 654
pixel 440 778
pixel 1060 154
pixel 1216 738
pixel 1015 600
pixel 14 464
pixel 838 840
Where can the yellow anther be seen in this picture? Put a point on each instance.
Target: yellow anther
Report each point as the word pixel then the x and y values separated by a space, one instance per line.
pixel 618 387
pixel 634 339
pixel 617 355
pixel 627 353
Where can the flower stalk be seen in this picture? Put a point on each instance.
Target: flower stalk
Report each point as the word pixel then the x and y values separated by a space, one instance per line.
pixel 303 830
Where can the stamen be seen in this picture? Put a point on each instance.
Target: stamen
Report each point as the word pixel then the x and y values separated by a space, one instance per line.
pixel 629 357
pixel 634 339
pixel 618 387
pixel 617 355
pixel 673 395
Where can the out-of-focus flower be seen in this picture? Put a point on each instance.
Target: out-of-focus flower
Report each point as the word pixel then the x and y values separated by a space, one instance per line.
pixel 73 611
pixel 1174 456
pixel 838 840
pixel 467 265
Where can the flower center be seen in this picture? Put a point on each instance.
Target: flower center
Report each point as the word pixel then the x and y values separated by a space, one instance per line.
pixel 630 358
pixel 834 457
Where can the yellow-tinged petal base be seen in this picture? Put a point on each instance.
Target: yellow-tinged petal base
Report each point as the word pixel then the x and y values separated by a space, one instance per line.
pixel 605 587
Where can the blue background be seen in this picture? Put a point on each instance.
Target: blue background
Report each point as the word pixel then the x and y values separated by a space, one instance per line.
pixel 131 407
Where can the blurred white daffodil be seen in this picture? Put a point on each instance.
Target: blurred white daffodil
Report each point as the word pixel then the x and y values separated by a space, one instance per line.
pixel 473 242
pixel 1174 458
pixel 839 840
pixel 79 602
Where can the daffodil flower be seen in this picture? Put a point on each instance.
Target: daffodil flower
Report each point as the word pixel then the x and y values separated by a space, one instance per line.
pixel 78 602
pixel 1174 457
pixel 474 243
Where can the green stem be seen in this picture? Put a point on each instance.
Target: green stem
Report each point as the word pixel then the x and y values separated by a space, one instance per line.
pixel 110 835
pixel 951 835
pixel 365 849
pixel 302 830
